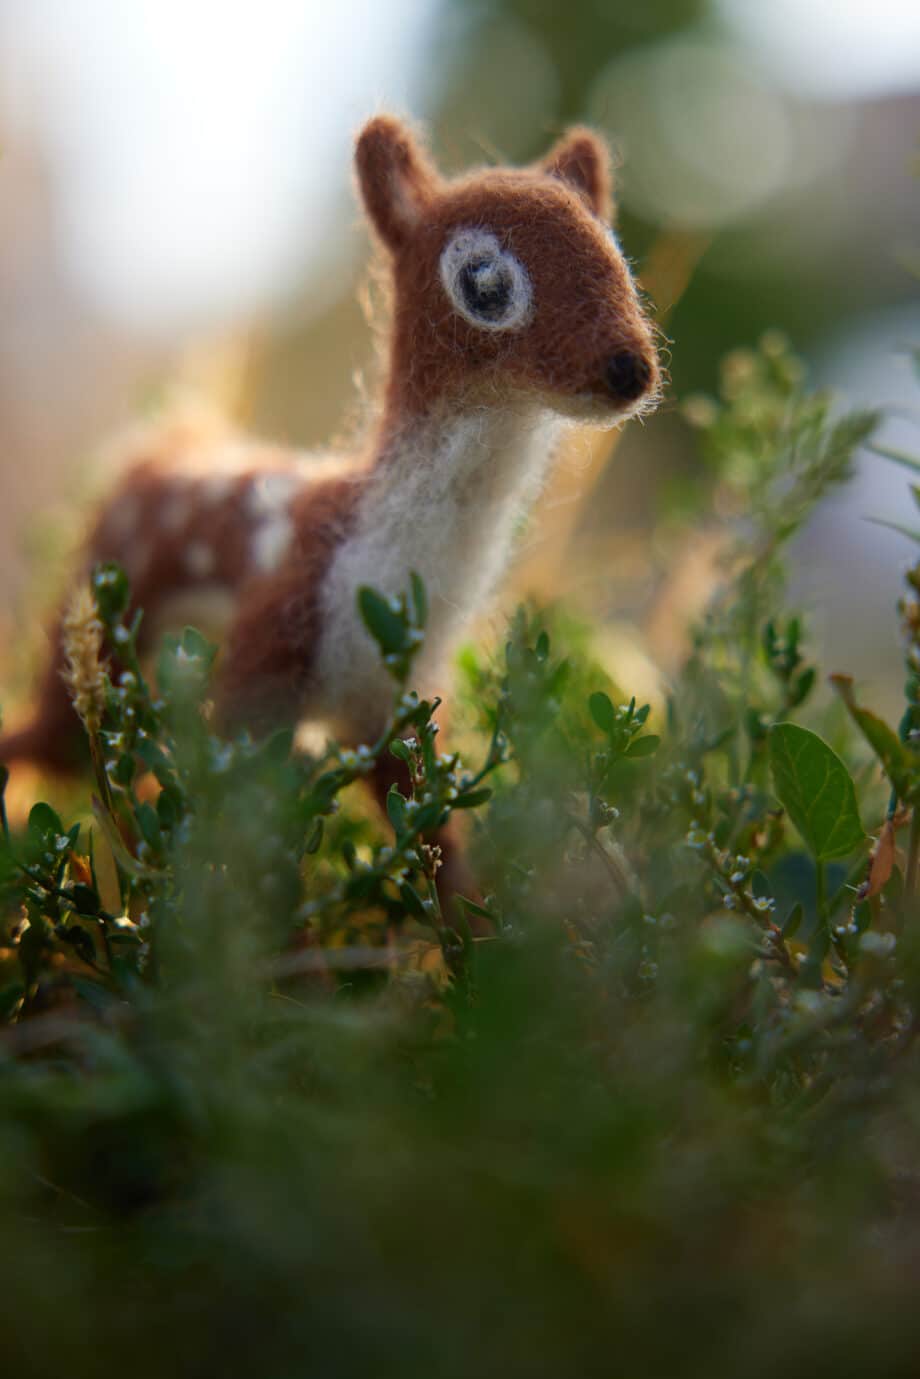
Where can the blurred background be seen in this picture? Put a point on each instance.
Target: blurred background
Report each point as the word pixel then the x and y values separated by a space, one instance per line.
pixel 177 205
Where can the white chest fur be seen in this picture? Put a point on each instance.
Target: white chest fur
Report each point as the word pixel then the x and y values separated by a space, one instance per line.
pixel 443 502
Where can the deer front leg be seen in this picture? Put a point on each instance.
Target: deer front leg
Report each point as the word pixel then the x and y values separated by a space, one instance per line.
pixel 264 668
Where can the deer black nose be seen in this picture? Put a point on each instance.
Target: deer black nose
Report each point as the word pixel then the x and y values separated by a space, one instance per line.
pixel 628 375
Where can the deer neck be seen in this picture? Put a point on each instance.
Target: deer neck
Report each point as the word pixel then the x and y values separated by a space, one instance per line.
pixel 442 497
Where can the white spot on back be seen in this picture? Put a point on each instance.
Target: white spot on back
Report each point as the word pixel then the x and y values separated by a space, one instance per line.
pixel 271 492
pixel 268 503
pixel 200 559
pixel 270 542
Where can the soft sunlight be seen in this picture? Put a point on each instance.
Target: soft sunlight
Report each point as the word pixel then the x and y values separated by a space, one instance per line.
pixel 834 49
pixel 197 153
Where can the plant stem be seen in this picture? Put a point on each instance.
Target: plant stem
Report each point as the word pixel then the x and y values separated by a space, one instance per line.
pixel 102 778
pixel 850 882
pixel 821 892
pixel 913 855
pixel 4 822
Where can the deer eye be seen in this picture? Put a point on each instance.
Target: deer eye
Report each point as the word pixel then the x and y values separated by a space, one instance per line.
pixel 487 285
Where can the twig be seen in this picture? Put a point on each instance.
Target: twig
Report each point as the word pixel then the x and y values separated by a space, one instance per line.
pixel 913 856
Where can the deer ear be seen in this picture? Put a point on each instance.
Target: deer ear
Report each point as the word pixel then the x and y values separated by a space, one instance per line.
pixel 582 160
pixel 395 177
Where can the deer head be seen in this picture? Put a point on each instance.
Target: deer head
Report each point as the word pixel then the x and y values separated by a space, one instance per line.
pixel 508 282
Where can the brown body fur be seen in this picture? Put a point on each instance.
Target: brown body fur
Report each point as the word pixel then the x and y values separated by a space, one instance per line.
pixel 184 516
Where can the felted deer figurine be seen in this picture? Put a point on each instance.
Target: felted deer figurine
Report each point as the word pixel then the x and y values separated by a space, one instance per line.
pixel 514 311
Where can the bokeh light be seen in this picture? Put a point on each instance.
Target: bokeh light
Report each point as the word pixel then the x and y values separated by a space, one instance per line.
pixel 833 49
pixel 705 139
pixel 198 153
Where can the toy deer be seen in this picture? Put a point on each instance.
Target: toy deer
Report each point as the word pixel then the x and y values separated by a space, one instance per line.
pixel 514 311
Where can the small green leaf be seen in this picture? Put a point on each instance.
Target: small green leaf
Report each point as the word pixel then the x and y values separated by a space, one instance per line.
pixel 643 746
pixel 477 909
pixel 419 598
pixel 169 808
pixel 154 758
pixel 754 724
pixel 911 533
pixel 884 741
pixel 802 687
pixel 556 682
pixel 816 790
pixel 602 711
pixel 412 901
pixel 10 996
pixel 124 769
pixel 196 646
pixel 85 899
pixel 792 921
pixel 125 936
pixel 401 750
pixel 472 800
pixel 149 825
pixel 116 842
pixel 43 820
pixel 81 942
pixel 314 837
pixel 430 816
pixel 396 810
pixel 112 592
pixel 360 884
pixel 386 627
pixel 897 456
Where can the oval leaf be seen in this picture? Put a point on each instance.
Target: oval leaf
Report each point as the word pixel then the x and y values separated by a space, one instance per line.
pixel 602 711
pixel 643 746
pixel 43 820
pixel 387 627
pixel 894 757
pixel 472 799
pixel 396 809
pixel 816 790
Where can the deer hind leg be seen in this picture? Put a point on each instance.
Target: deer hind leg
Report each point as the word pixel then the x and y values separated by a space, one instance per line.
pixel 53 737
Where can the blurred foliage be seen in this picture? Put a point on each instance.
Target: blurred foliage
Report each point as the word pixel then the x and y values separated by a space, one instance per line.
pixel 582 38
pixel 646 1099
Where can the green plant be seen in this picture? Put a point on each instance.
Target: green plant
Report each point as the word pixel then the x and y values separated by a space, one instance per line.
pixel 269 1106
